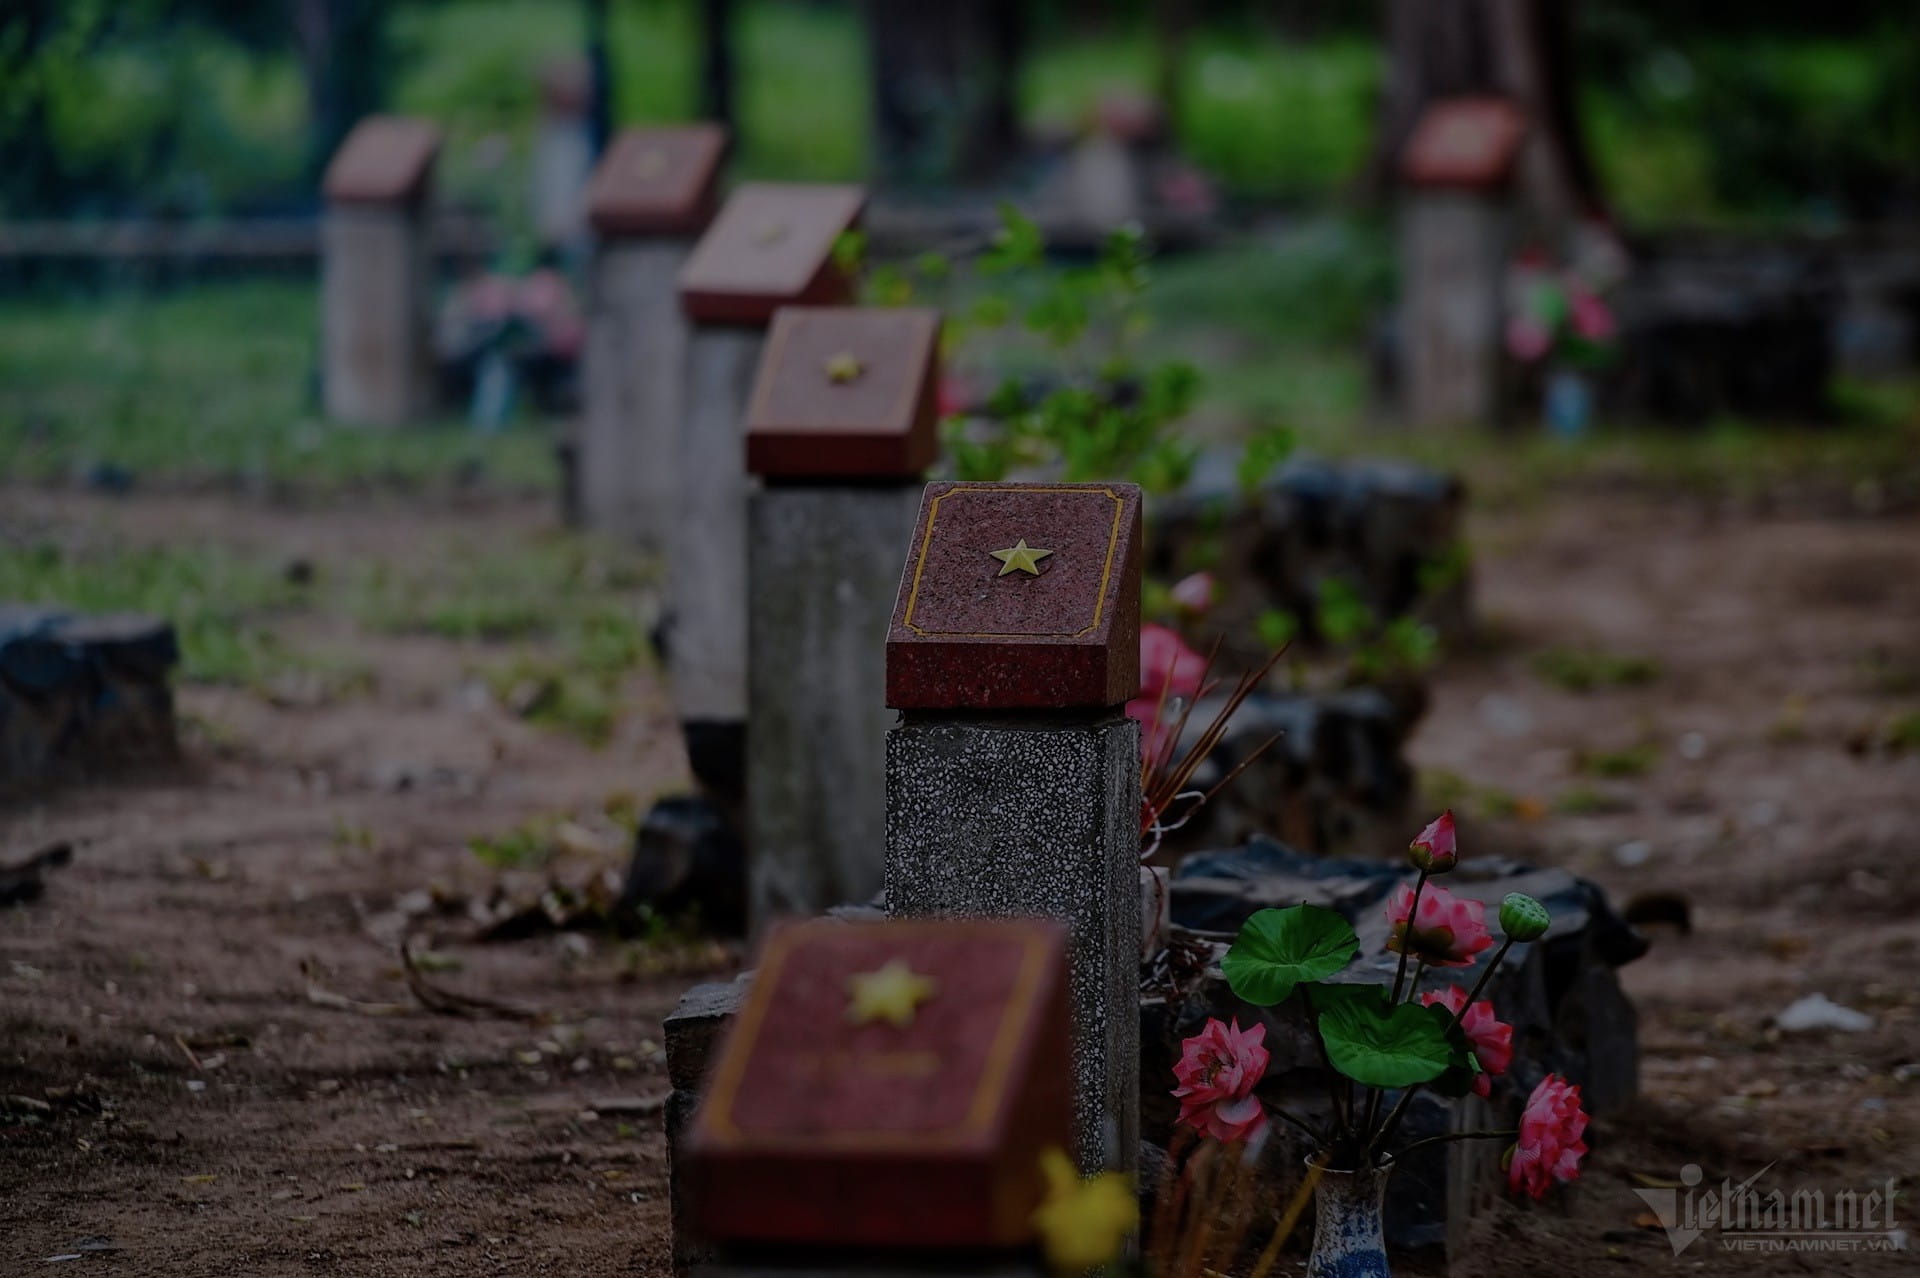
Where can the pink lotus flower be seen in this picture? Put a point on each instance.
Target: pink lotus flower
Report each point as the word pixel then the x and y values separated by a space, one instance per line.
pixel 1218 1069
pixel 1167 663
pixel 1528 339
pixel 1448 931
pixel 1490 1037
pixel 1550 1145
pixel 1169 671
pixel 1194 592
pixel 1435 850
pixel 1591 317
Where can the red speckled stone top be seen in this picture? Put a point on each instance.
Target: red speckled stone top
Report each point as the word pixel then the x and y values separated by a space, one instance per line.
pixel 662 181
pixel 819 1127
pixel 1463 142
pixel 978 630
pixel 386 159
pixel 846 392
pixel 771 246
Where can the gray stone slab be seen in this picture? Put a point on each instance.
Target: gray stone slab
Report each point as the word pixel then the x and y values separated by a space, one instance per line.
pixel 692 1029
pixel 634 372
pixel 1453 262
pixel 376 353
pixel 824 566
pixel 1037 815
pixel 707 563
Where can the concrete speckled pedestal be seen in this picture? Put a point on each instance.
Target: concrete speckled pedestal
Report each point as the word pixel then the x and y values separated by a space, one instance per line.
pixel 653 192
pixel 1013 782
pixel 771 245
pixel 1037 814
pixel 841 428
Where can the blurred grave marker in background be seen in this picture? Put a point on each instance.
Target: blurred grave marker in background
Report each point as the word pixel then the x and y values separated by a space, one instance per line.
pixel 1013 778
pixel 654 191
pixel 376 274
pixel 771 246
pixel 886 1093
pixel 1455 226
pixel 840 431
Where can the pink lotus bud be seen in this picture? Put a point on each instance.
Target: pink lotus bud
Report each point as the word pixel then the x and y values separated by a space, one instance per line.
pixel 1194 592
pixel 1434 851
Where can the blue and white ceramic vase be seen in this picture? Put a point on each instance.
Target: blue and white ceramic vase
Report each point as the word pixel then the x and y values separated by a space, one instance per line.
pixel 1347 1241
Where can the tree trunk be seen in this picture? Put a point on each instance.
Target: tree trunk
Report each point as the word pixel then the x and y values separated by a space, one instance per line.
pixel 944 82
pixel 344 54
pixel 716 62
pixel 1517 49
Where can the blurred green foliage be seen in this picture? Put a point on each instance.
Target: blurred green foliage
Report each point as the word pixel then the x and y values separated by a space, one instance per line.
pixel 217 600
pixel 161 106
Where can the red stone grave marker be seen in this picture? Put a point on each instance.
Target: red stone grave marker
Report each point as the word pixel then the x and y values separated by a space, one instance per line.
pixel 888 1085
pixel 1464 142
pixel 386 159
pixel 1019 596
pixel 846 393
pixel 658 181
pixel 771 246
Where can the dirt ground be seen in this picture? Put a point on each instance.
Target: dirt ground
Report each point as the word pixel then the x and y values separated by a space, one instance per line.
pixel 226 1121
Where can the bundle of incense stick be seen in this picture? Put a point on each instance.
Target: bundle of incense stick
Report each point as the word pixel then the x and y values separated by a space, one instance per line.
pixel 1165 775
pixel 1203 1215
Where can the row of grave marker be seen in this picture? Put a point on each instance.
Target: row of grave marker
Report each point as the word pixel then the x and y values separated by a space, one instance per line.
pixel 1009 786
pixel 656 192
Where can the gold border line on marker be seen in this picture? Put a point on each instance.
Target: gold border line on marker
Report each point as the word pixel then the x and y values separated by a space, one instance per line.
pixel 980 1111
pixel 1106 569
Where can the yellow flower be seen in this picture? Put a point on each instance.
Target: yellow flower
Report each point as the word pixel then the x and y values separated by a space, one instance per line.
pixel 1083 1224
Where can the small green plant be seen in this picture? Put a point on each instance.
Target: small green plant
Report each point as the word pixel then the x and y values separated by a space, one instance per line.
pixel 1629 761
pixel 1588 669
pixel 526 846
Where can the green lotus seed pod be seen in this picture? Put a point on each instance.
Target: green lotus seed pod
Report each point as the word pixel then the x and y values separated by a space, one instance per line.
pixel 1522 918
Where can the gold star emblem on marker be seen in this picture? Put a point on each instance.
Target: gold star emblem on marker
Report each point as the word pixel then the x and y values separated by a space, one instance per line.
pixel 844 367
pixel 891 994
pixel 1021 556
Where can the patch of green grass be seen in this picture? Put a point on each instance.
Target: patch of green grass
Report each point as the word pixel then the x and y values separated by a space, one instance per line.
pixel 1903 731
pixel 1586 800
pixel 1629 761
pixel 526 846
pixel 219 602
pixel 212 384
pixel 565 600
pixel 1586 670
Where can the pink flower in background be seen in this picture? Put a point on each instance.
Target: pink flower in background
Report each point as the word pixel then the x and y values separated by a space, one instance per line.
pixel 1448 931
pixel 1490 1037
pixel 1218 1069
pixel 1550 1145
pixel 1435 850
pixel 1528 339
pixel 1169 671
pixel 953 397
pixel 1590 316
pixel 1167 663
pixel 1194 592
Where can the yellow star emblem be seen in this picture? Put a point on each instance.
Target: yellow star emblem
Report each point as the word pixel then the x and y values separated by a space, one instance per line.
pixel 891 994
pixel 844 367
pixel 1021 556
